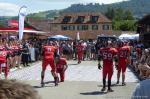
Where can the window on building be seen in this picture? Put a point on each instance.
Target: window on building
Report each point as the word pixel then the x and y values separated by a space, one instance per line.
pixel 66 19
pixel 94 27
pixel 71 27
pixel 79 27
pixel 84 27
pixel 67 27
pixel 106 27
pixel 80 19
pixel 94 19
pixel 64 27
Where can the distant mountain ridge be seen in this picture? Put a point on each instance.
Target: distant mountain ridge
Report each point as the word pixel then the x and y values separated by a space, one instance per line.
pixel 139 8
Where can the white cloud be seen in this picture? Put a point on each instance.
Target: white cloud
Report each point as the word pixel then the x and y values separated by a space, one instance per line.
pixel 8 9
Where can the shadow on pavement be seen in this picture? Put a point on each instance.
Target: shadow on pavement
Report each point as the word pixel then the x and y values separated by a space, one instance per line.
pixel 48 82
pixel 43 87
pixel 113 85
pixel 93 93
pixel 73 64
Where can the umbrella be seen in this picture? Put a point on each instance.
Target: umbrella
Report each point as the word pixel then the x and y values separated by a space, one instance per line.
pixel 136 36
pixel 59 37
pixel 126 37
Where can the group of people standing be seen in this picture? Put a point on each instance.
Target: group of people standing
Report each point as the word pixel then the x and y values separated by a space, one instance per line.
pixel 56 54
pixel 107 54
pixel 123 53
pixel 13 53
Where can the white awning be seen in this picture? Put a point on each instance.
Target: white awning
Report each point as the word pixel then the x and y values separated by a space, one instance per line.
pixel 33 31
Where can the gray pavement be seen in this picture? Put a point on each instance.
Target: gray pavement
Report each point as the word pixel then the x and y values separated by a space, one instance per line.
pixel 82 90
pixel 83 81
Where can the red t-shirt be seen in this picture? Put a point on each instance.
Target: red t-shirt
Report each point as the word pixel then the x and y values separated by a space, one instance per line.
pixel 15 48
pixel 139 51
pixel 3 56
pixel 49 52
pixel 80 48
pixel 107 55
pixel 2 48
pixel 123 52
pixel 60 64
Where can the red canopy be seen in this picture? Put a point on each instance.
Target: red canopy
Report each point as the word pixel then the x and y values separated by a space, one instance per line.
pixel 13 23
pixel 16 30
pixel 8 29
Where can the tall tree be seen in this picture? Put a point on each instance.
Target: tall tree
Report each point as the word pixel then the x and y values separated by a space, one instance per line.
pixel 110 13
pixel 119 14
pixel 128 15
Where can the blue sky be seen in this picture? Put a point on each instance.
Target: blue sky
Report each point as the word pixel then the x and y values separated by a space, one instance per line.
pixel 11 7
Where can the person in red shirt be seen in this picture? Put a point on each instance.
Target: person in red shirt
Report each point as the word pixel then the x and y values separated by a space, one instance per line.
pixel 123 60
pixel 8 47
pixel 139 51
pixel 2 47
pixel 61 66
pixel 80 52
pixel 49 52
pixel 3 62
pixel 107 54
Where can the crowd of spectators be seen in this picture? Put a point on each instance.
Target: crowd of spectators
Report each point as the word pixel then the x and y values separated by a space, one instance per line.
pixel 140 57
pixel 29 51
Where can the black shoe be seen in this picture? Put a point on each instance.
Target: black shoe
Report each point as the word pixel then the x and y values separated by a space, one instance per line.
pixel 123 84
pixel 24 65
pixel 42 84
pixel 28 65
pixel 56 81
pixel 79 62
pixel 62 81
pixel 117 82
pixel 103 89
pixel 110 90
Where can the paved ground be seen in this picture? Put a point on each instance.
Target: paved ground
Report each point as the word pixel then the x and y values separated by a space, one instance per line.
pixel 83 81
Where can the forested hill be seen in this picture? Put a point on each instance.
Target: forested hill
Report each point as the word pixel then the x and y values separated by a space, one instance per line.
pixel 138 7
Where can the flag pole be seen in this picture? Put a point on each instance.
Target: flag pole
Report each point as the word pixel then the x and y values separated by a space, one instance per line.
pixel 21 15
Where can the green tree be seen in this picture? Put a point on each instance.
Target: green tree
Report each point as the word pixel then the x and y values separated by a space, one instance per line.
pixel 122 19
pixel 128 15
pixel 119 14
pixel 2 25
pixel 125 25
pixel 110 13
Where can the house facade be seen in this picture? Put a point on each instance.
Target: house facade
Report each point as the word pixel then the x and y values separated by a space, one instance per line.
pixel 88 25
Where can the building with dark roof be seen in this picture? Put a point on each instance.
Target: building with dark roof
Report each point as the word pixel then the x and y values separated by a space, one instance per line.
pixel 89 25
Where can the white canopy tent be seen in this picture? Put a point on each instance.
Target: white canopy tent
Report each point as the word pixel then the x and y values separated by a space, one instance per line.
pixel 136 36
pixel 129 37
